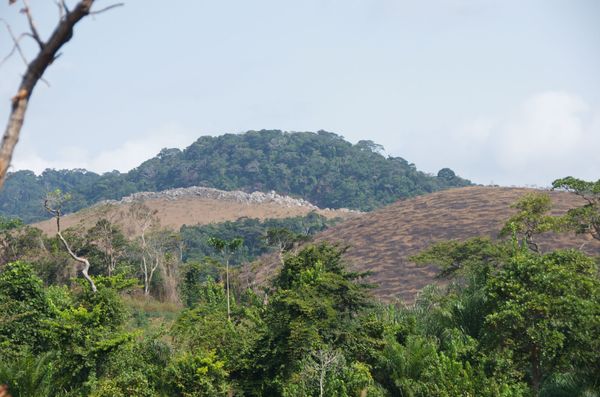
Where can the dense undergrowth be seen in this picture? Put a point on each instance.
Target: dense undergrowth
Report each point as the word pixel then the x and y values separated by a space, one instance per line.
pixel 510 321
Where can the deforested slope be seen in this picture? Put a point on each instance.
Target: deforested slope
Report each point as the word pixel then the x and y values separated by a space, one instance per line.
pixel 194 206
pixel 382 241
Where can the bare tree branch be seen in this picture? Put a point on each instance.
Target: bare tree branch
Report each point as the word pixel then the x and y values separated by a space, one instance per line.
pixel 16 45
pixel 61 9
pixel 34 32
pixel 86 264
pixel 64 4
pixel 110 7
pixel 63 32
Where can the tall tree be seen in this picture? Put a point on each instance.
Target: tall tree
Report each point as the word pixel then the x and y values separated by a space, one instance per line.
pixel 226 248
pixel 315 306
pixel 150 252
pixel 546 311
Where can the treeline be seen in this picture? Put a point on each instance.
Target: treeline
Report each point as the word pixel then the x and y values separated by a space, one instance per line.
pixel 258 237
pixel 510 321
pixel 322 168
pixel 155 255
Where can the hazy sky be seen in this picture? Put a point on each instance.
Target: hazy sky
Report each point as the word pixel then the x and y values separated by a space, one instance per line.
pixel 500 91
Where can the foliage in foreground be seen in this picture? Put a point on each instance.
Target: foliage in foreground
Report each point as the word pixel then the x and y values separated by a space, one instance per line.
pixel 511 322
pixel 520 325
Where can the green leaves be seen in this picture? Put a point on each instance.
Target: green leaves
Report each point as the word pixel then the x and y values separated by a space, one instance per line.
pixel 584 219
pixel 461 258
pixel 315 305
pixel 260 236
pixel 506 322
pixel 225 247
pixel 24 309
pixel 28 375
pixel 532 219
pixel 7 224
pixel 197 375
pixel 523 316
pixel 321 167
pixel 546 310
pixel 577 186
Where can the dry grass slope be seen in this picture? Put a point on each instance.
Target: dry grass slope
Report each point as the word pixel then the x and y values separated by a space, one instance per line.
pixel 381 241
pixel 174 213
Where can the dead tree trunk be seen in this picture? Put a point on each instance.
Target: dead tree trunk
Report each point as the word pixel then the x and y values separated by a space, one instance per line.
pixel 145 220
pixel 150 262
pixel 82 260
pixel 63 32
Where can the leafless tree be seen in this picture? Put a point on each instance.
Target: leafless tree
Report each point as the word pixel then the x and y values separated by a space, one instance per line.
pixel 53 204
pixel 326 360
pixel 47 54
pixel 106 237
pixel 283 240
pixel 169 270
pixel 318 365
pixel 150 252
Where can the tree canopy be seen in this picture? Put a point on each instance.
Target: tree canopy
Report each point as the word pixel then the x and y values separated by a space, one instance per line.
pixel 322 168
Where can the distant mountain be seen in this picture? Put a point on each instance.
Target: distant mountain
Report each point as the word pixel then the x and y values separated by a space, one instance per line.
pixel 321 167
pixel 381 241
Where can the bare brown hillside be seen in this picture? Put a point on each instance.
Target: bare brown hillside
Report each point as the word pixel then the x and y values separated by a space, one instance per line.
pixel 381 241
pixel 193 206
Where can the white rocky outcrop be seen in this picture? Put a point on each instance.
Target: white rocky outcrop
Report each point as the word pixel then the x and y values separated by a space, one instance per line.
pixel 216 194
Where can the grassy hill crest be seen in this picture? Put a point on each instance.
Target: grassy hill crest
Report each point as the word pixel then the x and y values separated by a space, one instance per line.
pixel 194 206
pixel 382 241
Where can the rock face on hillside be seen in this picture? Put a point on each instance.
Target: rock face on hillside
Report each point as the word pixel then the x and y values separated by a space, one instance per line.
pixel 320 167
pixel 382 241
pixel 215 194
pixel 195 206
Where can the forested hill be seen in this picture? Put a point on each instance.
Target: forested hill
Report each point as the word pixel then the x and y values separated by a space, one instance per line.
pixel 321 167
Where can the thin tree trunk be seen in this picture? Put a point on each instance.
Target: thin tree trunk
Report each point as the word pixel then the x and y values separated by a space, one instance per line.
pixel 227 287
pixel 84 261
pixel 111 263
pixel 321 380
pixel 152 269
pixel 536 372
pixel 145 270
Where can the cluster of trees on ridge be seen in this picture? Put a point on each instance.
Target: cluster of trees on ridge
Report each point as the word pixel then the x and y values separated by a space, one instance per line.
pixel 322 168
pixel 512 321
pixel 259 237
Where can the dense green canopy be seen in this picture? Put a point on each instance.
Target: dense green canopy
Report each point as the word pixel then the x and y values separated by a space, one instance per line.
pixel 321 167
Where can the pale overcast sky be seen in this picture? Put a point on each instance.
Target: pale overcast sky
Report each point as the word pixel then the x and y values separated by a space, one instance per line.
pixel 503 91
